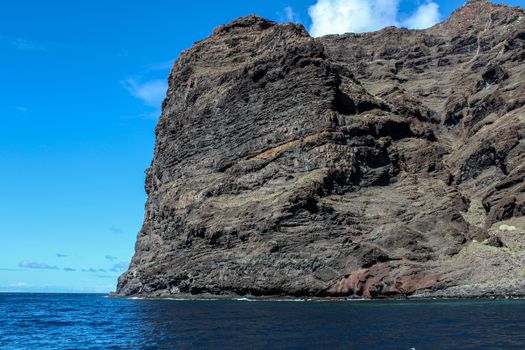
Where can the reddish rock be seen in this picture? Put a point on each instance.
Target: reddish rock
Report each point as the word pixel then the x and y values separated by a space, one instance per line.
pixel 381 280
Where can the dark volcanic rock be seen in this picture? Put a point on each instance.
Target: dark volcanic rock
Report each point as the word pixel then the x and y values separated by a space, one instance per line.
pixel 376 165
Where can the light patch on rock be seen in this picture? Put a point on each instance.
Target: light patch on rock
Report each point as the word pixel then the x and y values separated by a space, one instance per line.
pixel 507 228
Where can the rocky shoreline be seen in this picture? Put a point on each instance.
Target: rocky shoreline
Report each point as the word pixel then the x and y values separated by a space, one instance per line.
pixel 423 297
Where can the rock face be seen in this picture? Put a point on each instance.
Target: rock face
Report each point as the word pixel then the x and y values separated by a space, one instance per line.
pixel 384 164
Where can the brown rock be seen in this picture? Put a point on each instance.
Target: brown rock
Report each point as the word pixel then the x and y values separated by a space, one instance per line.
pixel 284 163
pixel 381 280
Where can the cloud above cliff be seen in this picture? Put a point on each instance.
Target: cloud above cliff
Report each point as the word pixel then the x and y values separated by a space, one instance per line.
pixel 425 16
pixel 289 15
pixel 151 92
pixel 357 16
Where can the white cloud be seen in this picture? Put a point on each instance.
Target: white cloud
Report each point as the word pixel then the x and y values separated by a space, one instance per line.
pixel 35 265
pixel 426 16
pixel 18 285
pixel 23 44
pixel 93 270
pixel 290 15
pixel 357 16
pixel 150 92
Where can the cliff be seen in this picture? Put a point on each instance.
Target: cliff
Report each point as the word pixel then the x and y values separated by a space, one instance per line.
pixel 385 164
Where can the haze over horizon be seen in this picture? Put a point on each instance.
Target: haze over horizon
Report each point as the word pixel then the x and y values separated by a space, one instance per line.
pixel 83 84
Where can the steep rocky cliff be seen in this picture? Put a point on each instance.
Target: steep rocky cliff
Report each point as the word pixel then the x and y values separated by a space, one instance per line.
pixel 380 164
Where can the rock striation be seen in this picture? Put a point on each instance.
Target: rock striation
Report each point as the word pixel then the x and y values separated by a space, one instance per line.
pixel 385 164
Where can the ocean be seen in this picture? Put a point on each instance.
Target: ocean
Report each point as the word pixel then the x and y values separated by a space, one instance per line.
pixel 91 321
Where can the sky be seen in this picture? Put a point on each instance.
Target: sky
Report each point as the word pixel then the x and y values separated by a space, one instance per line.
pixel 81 88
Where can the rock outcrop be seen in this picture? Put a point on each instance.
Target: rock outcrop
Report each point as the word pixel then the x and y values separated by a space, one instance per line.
pixel 385 164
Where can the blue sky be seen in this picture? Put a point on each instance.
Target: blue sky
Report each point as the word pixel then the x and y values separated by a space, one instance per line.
pixel 81 87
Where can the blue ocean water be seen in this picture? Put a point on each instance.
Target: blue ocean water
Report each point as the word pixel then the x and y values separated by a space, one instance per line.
pixel 89 321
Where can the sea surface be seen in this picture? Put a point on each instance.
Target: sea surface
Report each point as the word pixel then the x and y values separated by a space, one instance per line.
pixel 91 321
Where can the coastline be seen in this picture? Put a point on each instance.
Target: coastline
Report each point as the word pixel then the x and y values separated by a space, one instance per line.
pixel 217 297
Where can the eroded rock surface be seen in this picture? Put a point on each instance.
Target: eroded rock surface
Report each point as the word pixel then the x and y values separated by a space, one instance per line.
pixel 375 165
